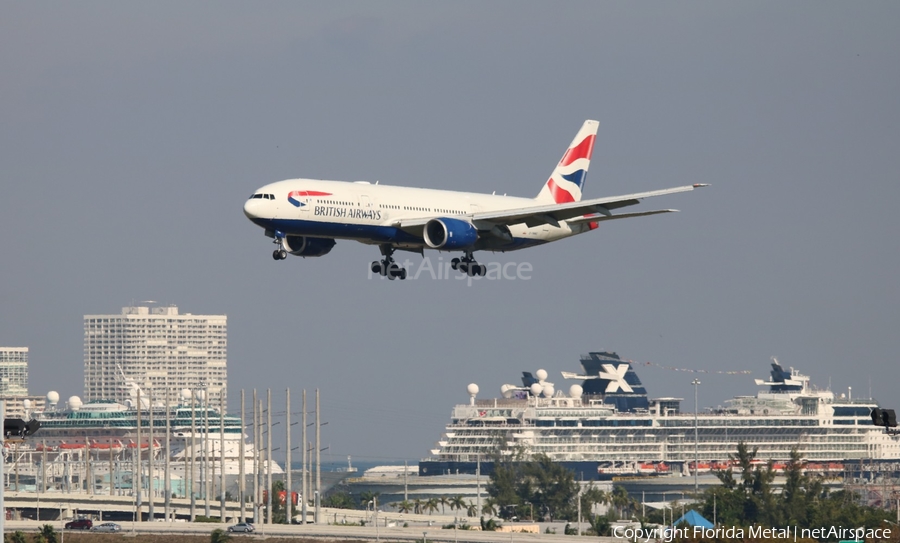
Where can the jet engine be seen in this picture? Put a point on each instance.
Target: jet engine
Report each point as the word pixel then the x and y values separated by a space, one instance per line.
pixel 306 246
pixel 450 234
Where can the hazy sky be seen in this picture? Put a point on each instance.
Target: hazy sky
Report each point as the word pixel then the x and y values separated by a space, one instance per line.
pixel 131 134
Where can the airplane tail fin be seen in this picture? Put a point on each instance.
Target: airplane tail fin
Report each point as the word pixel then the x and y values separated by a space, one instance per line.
pixel 567 180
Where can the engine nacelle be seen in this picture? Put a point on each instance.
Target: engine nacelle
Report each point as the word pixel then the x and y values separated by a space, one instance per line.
pixel 450 234
pixel 305 246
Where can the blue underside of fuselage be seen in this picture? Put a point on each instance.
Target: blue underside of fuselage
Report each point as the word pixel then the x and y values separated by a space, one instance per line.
pixel 374 234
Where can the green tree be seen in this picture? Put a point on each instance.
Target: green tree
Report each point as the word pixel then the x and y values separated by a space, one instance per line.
pixel 404 507
pixel 48 533
pixel 340 500
pixel 457 502
pixel 431 505
pixel 444 502
pixel 489 507
pixel 219 536
pixel 471 509
pixel 17 537
pixel 803 501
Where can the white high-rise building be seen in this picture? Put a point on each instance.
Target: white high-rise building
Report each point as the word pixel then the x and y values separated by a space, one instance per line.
pixel 14 383
pixel 13 371
pixel 156 348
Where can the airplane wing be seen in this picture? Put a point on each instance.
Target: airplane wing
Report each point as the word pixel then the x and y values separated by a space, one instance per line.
pixel 553 213
pixel 600 218
pixel 595 210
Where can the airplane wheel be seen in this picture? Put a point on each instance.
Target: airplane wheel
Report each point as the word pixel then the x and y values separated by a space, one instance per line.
pixel 403 274
pixel 472 269
pixel 463 267
pixel 276 254
pixel 282 254
pixel 454 264
pixel 376 267
pixel 482 270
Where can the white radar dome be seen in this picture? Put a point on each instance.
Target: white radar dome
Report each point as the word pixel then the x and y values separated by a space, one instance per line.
pixel 53 397
pixel 541 375
pixel 536 389
pixel 507 390
pixel 26 403
pixel 201 394
pixel 472 389
pixel 549 391
pixel 75 403
pixel 575 391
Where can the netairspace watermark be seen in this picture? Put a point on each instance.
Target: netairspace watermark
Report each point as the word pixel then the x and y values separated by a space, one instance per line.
pixel 668 534
pixel 440 270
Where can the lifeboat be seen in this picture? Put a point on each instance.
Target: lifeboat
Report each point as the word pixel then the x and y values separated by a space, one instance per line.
pixel 113 448
pixel 41 448
pixel 71 446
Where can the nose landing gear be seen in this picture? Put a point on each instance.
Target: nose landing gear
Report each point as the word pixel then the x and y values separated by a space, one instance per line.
pixel 280 253
pixel 386 266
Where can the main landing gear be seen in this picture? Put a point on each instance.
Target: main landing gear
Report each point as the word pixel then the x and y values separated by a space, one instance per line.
pixel 386 266
pixel 468 265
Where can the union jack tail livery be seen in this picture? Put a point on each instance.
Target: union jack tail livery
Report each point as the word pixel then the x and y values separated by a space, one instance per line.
pixel 567 180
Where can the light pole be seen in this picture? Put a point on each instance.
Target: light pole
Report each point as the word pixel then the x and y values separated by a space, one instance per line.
pixel 696 382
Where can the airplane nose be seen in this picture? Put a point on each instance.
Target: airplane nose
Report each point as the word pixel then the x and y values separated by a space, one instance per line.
pixel 251 209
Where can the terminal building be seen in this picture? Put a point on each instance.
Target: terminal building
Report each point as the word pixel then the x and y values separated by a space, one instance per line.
pixel 14 383
pixel 156 348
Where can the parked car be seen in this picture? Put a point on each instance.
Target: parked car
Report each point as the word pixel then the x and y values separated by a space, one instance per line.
pixel 80 524
pixel 245 527
pixel 107 527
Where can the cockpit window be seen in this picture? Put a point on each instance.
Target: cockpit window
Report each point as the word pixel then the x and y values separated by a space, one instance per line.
pixel 262 196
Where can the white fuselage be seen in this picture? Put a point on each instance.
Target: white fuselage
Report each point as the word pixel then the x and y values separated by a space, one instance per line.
pixel 370 213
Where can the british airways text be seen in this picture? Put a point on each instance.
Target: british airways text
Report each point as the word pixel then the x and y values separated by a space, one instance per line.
pixel 348 213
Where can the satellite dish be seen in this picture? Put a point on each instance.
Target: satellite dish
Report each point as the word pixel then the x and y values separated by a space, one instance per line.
pixel 549 390
pixel 75 403
pixel 507 390
pixel 575 391
pixel 26 403
pixel 472 389
pixel 53 397
pixel 201 394
pixel 185 394
pixel 536 389
pixel 541 375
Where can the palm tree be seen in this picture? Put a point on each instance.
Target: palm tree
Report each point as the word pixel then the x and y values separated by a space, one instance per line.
pixel 404 507
pixel 457 502
pixel 431 505
pixel 444 502
pixel 489 507
pixel 417 506
pixel 471 509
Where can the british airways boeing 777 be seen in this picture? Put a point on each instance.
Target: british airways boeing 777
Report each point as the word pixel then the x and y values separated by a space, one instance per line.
pixel 306 216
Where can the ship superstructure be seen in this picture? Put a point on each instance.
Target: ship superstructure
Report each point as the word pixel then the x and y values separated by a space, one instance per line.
pixel 608 425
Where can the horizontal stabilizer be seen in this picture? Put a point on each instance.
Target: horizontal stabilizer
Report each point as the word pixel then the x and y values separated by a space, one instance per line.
pixel 601 218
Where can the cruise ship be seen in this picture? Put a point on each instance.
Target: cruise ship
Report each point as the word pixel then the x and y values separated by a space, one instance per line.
pixel 606 425
pixel 79 441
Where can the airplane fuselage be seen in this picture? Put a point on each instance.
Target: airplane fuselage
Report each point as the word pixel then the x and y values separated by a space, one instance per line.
pixel 367 213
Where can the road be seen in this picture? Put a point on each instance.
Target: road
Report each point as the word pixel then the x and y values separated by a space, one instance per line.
pixel 360 533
